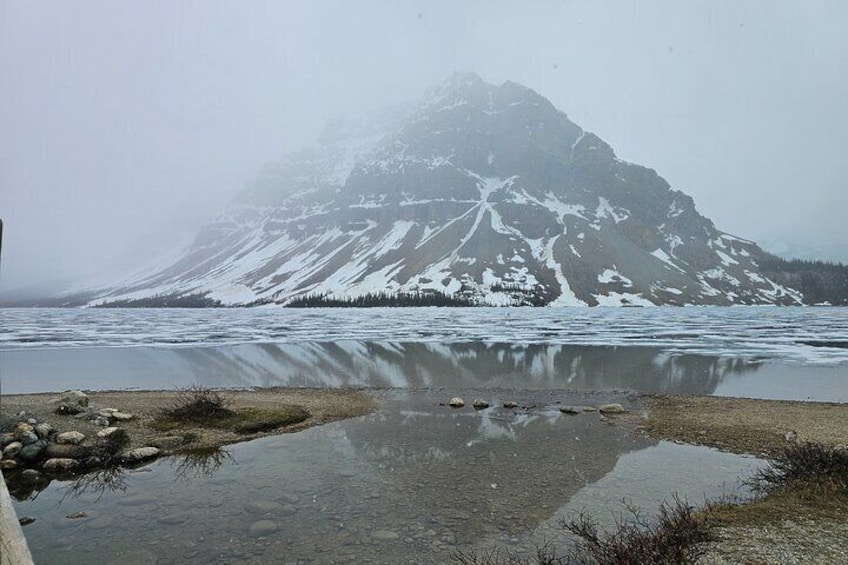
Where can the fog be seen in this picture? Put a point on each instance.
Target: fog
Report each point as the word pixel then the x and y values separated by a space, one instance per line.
pixel 125 125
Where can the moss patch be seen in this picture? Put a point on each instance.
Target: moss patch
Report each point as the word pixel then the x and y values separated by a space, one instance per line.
pixel 240 421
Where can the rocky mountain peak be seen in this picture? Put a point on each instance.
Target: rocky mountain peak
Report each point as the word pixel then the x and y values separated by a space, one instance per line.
pixel 484 193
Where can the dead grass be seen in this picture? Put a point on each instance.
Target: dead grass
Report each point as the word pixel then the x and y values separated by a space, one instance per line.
pixel 258 413
pixel 242 421
pixel 743 425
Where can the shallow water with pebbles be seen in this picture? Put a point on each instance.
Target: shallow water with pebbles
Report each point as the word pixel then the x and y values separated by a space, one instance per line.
pixel 410 483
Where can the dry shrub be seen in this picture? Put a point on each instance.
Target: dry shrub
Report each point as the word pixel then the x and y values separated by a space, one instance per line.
pixel 813 465
pixel 198 404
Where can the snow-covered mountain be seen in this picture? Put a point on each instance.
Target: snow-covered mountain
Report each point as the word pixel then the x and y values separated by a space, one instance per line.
pixel 482 191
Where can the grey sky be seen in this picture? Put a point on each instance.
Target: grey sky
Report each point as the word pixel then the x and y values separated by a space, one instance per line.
pixel 123 125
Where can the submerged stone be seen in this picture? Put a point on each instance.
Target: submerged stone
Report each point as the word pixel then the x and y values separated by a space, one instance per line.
pixel 263 528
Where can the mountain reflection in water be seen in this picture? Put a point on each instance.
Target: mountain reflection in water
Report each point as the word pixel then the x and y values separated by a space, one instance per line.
pixel 410 483
pixel 373 364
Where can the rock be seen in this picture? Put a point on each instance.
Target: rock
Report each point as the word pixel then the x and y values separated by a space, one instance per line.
pixel 589 409
pixel 121 416
pixel 12 450
pixel 570 410
pixel 30 475
pixel 7 464
pixel 72 437
pixel 33 452
pixel 479 404
pixel 510 404
pixel 66 451
pixel 140 454
pixel 74 398
pixel 263 506
pixel 28 438
pixel 612 409
pixel 385 535
pixel 77 515
pixel 26 520
pixel 263 528
pixel 60 464
pixel 167 442
pixel 106 432
pixel 23 428
pixel 456 402
pixel 68 410
pixel 43 430
pixel 6 439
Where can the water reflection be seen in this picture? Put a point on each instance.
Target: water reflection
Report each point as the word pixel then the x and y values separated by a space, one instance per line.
pixel 375 364
pixel 408 484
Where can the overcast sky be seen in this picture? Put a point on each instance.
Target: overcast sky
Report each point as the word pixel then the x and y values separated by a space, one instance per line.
pixel 124 125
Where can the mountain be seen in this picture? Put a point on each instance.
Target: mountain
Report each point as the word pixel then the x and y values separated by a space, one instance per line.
pixel 480 192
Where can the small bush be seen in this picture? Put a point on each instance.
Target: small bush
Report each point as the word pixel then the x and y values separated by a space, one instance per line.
pixel 198 404
pixel 811 464
pixel 675 535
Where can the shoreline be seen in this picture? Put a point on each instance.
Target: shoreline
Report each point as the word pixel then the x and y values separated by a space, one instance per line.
pixel 772 528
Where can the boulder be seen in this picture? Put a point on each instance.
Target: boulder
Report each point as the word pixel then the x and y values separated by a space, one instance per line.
pixel 28 438
pixel 72 437
pixel 612 409
pixel 7 464
pixel 456 402
pixel 60 464
pixel 66 451
pixel 479 404
pixel 33 452
pixel 22 429
pixel 74 398
pixel 573 410
pixel 43 430
pixel 6 439
pixel 510 404
pixel 12 450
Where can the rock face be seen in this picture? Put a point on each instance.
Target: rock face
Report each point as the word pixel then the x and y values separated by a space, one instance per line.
pixel 487 193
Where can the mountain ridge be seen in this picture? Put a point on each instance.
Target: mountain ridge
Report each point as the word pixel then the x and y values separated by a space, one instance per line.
pixel 480 191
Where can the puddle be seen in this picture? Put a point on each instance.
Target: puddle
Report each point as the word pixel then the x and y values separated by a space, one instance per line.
pixel 408 484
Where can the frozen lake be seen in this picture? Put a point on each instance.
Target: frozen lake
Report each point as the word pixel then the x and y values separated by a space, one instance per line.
pixel 414 481
pixel 745 351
